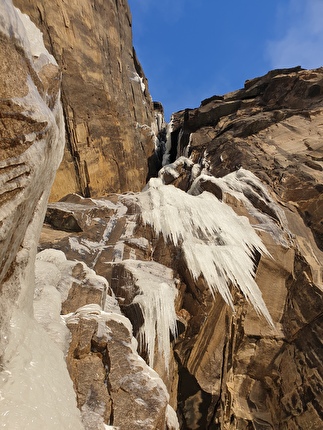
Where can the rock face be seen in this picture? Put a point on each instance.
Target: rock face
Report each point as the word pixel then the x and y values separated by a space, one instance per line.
pixel 109 115
pixel 260 154
pixel 32 141
pixel 273 128
pixel 212 275
pixel 108 374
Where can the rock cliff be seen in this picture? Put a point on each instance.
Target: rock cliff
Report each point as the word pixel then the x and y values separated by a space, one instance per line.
pixel 259 152
pixel 272 127
pixel 109 115
pixel 202 294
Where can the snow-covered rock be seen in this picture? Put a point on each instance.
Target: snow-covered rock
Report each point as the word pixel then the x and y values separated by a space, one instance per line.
pixel 36 391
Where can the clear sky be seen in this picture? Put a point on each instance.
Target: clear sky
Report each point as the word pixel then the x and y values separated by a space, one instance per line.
pixel 193 49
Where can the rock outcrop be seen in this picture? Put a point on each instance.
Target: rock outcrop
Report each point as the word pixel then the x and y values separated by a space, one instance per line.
pixel 200 294
pixel 109 376
pixel 109 115
pixel 273 128
pixel 260 155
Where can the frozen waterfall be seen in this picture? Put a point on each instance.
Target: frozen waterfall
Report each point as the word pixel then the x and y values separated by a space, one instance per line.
pixel 217 243
pixel 156 301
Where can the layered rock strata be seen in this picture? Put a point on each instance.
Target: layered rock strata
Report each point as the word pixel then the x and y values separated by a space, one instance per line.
pixel 180 266
pixel 261 155
pixel 109 116
pixel 273 128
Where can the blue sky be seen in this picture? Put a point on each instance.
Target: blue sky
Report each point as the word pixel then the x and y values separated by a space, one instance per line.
pixel 193 49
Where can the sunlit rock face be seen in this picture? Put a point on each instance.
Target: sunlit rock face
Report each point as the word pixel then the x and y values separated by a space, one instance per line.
pixel 272 128
pixel 215 268
pixel 227 217
pixel 107 106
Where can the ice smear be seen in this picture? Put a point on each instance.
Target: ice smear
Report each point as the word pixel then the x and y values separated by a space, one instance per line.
pixel 47 304
pixel 14 23
pixel 36 390
pixel 172 169
pixel 168 145
pixel 156 301
pixel 217 243
pixel 140 80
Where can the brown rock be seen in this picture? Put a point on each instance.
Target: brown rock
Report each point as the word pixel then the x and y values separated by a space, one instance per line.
pixel 263 378
pixel 107 106
pixel 110 378
pixel 275 133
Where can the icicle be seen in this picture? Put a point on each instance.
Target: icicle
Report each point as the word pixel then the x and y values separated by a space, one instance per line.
pixel 156 301
pixel 217 243
pixel 169 130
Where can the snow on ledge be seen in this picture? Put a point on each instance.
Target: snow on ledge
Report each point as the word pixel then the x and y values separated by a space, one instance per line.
pixel 245 186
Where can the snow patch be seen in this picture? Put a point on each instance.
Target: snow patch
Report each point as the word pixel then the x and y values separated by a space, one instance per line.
pixel 139 79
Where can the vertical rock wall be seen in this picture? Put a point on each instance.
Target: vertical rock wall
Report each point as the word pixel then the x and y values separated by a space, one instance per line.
pixel 107 107
pixel 246 375
pixel 228 369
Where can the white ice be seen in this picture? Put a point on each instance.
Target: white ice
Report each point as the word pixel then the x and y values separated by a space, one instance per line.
pixel 172 168
pixel 217 243
pixel 156 301
pixel 139 79
pixel 53 269
pixel 36 390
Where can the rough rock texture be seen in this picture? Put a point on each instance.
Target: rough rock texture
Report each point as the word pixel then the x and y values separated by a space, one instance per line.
pixel 273 128
pixel 107 107
pixel 32 140
pixel 131 394
pixel 101 233
pixel 108 374
pixel 257 151
pixel 230 370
